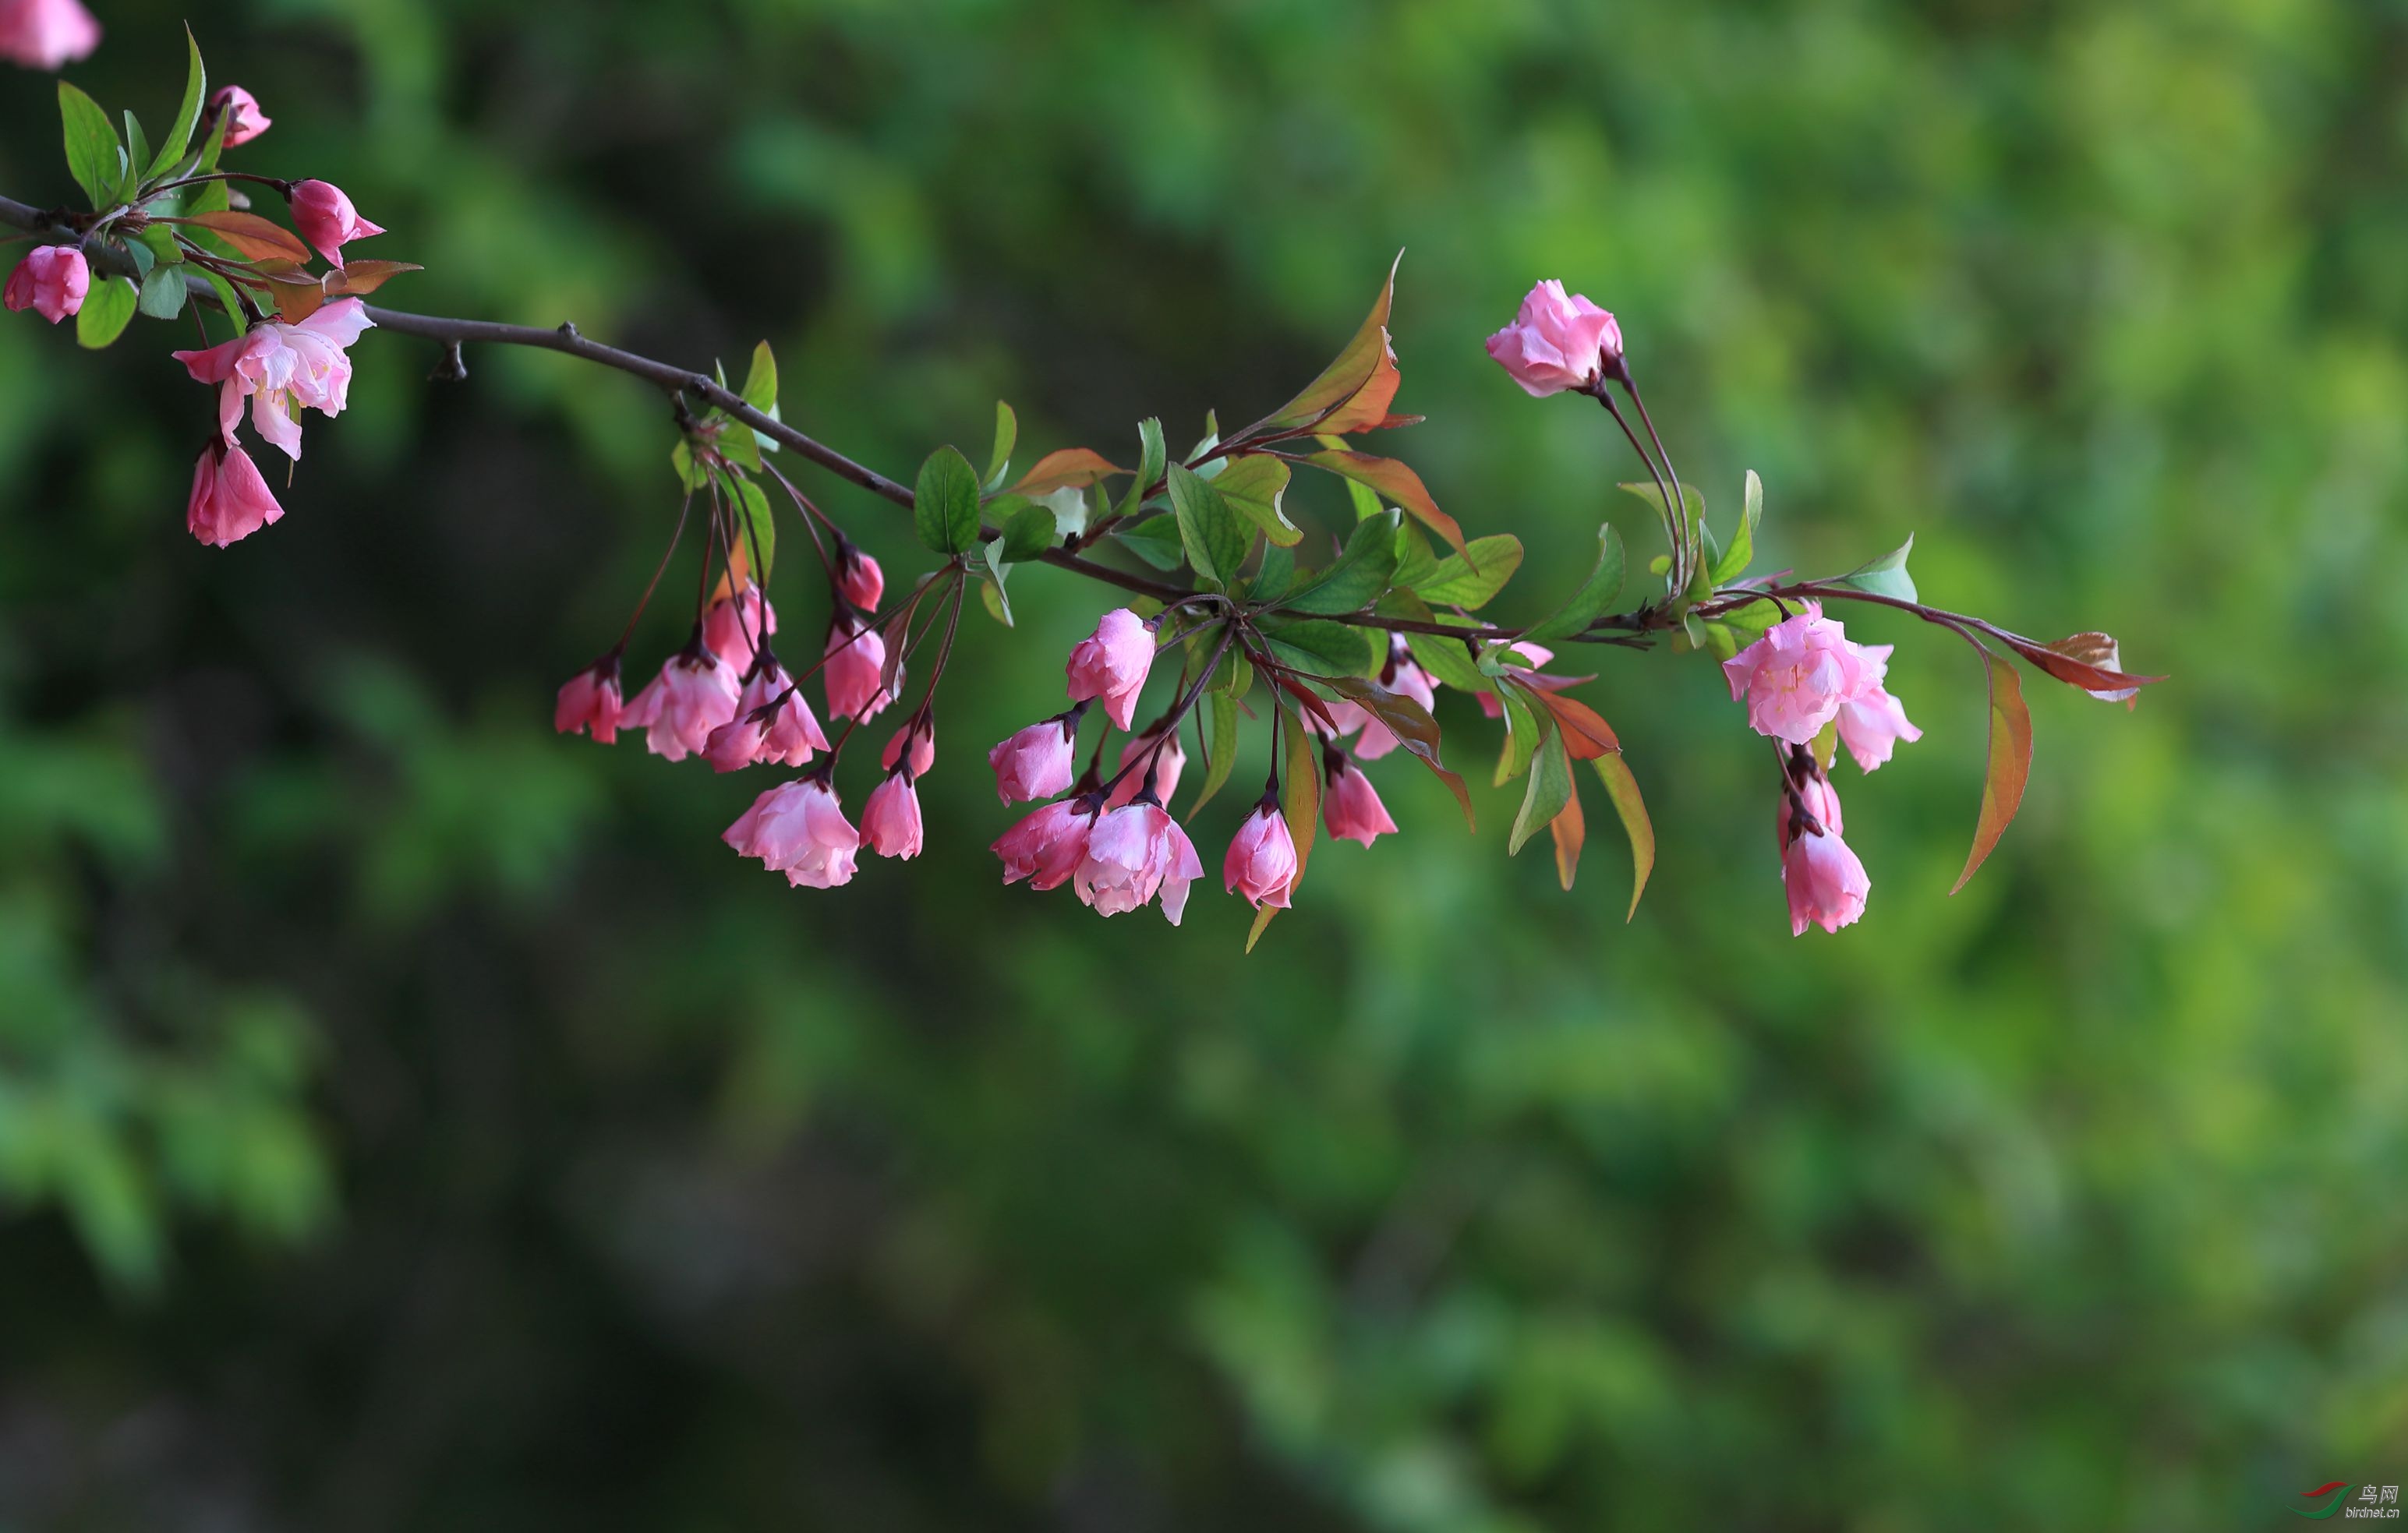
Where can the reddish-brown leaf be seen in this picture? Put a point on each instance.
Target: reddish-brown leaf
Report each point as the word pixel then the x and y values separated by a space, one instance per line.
pixel 2010 767
pixel 1413 728
pixel 252 236
pixel 356 277
pixel 2088 661
pixel 1069 469
pixel 1586 736
pixel 1402 485
pixel 1569 831
pixel 1623 789
pixel 1353 393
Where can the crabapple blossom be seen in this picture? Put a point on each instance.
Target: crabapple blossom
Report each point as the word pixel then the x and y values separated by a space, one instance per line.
pixel 278 365
pixel 1034 762
pixel 856 659
pixel 1168 763
pixel 1795 677
pixel 245 122
pixel 919 737
pixel 798 828
pixel 694 695
pixel 1132 853
pixel 1048 846
pixel 1872 722
pixel 230 500
pixel 1351 807
pixel 1261 862
pixel 734 626
pixel 773 725
pixel 1111 664
pixel 889 820
pixel 1558 342
pixel 1826 883
pixel 52 280
pixel 46 34
pixel 588 701
pixel 858 578
pixel 327 220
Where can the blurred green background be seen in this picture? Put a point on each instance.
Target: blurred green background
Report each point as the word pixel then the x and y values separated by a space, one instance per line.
pixel 411 1120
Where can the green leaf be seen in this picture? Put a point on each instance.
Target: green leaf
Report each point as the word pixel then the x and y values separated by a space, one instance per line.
pixel 138 158
pixel 997 607
pixel 108 308
pixel 945 502
pixel 1742 552
pixel 93 157
pixel 1886 576
pixel 991 589
pixel 188 114
pixel 1155 541
pixel 1007 435
pixel 1359 575
pixel 1152 457
pixel 1027 530
pixel 1216 541
pixel 1273 579
pixel 1454 581
pixel 2010 764
pixel 1521 735
pixel 760 389
pixel 235 313
pixel 143 257
pixel 757 534
pixel 162 292
pixel 1236 675
pixel 1621 787
pixel 1252 485
pixel 1445 658
pixel 1595 594
pixel 1549 788
pixel 208 160
pixel 1320 648
pixel 1301 791
pixel 1217 730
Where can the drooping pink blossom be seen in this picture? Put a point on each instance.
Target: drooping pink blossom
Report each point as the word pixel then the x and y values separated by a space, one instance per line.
pixel 327 220
pixel 1351 807
pixel 855 689
pixel 918 735
pixel 1872 722
pixel 46 34
pixel 1048 846
pixel 1168 763
pixel 245 122
pixel 1558 342
pixel 1826 883
pixel 694 695
pixel 889 820
pixel 1132 854
pixel 1034 762
pixel 798 828
pixel 1795 677
pixel 773 725
pixel 589 702
pixel 52 280
pixel 858 578
pixel 278 366
pixel 1261 862
pixel 734 626
pixel 230 500
pixel 1111 664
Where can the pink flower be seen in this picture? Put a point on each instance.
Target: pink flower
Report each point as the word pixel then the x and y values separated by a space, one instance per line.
pixel 229 500
pixel 798 828
pixel 1826 883
pixel 1558 343
pixel 1797 676
pixel 737 626
pixel 327 220
pixel 245 122
pixel 772 724
pixel 1132 853
pixel 694 695
pixel 890 822
pixel 858 578
pixel 46 34
pixel 1111 664
pixel 917 736
pixel 1261 863
pixel 1049 844
pixel 51 281
pixel 1168 764
pixel 588 701
pixel 854 669
pixel 1034 762
pixel 1873 720
pixel 1350 808
pixel 278 366
pixel 1404 678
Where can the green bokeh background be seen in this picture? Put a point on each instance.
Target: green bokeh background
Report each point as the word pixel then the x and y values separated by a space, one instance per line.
pixel 410 1120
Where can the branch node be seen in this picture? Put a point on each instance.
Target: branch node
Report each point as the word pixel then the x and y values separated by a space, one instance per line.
pixel 568 328
pixel 454 368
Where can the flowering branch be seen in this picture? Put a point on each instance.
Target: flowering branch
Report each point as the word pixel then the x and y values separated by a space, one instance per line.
pixel 1349 654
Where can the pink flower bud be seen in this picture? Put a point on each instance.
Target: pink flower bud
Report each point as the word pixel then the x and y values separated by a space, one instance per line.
pixel 1034 762
pixel 1796 677
pixel 1112 663
pixel 1047 847
pixel 1167 764
pixel 736 628
pixel 1132 854
pixel 1350 808
pixel 46 34
pixel 890 822
pixel 229 500
pixel 919 737
pixel 1261 863
pixel 589 702
pixel 798 828
pixel 858 578
pixel 1826 883
pixel 1873 720
pixel 327 220
pixel 854 669
pixel 1558 343
pixel 694 695
pixel 51 281
pixel 245 122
